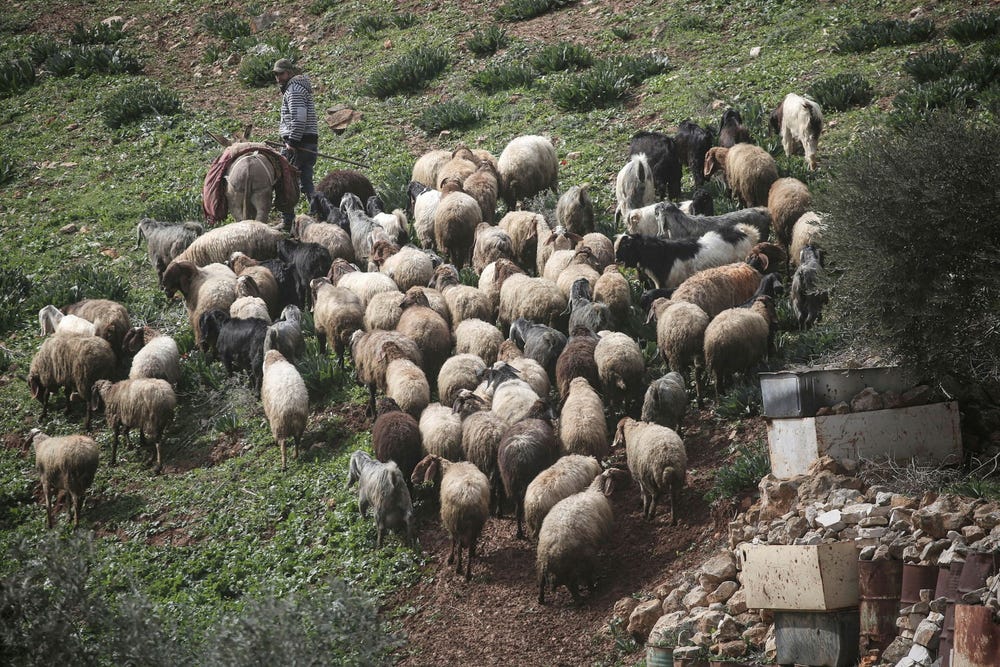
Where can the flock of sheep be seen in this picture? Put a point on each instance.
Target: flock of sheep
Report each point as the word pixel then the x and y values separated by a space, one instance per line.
pixel 526 366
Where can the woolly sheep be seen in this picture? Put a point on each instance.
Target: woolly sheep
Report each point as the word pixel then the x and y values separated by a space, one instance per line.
pixel 147 404
pixel 527 368
pixel 461 371
pixel 455 221
pixel 286 401
pixel 787 200
pixel 362 227
pixel 474 336
pixel 738 338
pixel 255 239
pixel 383 311
pixel 808 229
pixel 155 355
pixel 799 121
pixel 806 298
pixel 275 295
pixel 441 432
pixel 382 487
pixel 658 462
pixel 465 503
pixel 370 364
pixel 165 240
pixel 396 437
pixel 332 237
pixel 528 447
pixel 680 337
pixel 621 367
pixel 601 247
pixel 428 329
pixel 52 320
pixel 463 301
pixel 634 187
pixel 748 170
pixel 246 286
pixel 716 289
pixel 427 166
pixel 405 382
pixel 365 285
pixel 248 307
pixel 461 165
pixel 577 360
pixel 110 319
pixel 337 314
pixel 483 185
pixel 612 289
pixel 393 223
pixel 572 535
pixel 285 335
pixel 340 182
pixel 204 289
pixel 550 242
pixel 66 463
pixel 424 208
pixel 72 362
pixel 570 474
pixel 491 244
pixel 582 428
pixel 527 166
pixel 482 431
pixel 535 299
pixel 582 265
pixel 522 227
pixel 575 210
pixel 666 401
pixel 408 266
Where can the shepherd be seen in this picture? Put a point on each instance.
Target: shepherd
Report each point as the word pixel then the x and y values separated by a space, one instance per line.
pixel 298 126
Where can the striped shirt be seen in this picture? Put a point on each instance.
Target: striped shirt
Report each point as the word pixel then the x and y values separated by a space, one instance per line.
pixel 298 113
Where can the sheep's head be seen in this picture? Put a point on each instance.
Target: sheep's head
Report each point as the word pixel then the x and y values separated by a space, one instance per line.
pixel 178 277
pixel 504 270
pixel 359 460
pixel 415 296
pixel 541 409
pixel 759 262
pixel 501 372
pixel 774 255
pixel 427 470
pixel 715 161
pixel 508 351
pixel 468 403
pixel 445 275
pixel 350 202
pixel 580 289
pixel 582 331
pixel 624 426
pixel 730 117
pixel 381 251
pixel 210 324
pixel 292 313
pixel 97 394
pixel 316 285
pixel 247 286
pixel 135 339
pixel 339 268
pixel 239 261
pixel 451 184
pixel 387 405
pixel 519 330
pixel 272 357
pixel 610 480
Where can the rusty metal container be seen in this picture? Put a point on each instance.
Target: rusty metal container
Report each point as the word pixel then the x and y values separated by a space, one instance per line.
pixel 879 583
pixel 820 639
pixel 978 566
pixel 915 578
pixel 977 637
pixel 947 581
pixel 949 591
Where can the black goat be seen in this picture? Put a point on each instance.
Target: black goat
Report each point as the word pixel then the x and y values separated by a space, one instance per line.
pixel 306 261
pixel 538 342
pixel 692 142
pixel 732 131
pixel 238 343
pixel 668 262
pixel 661 153
pixel 321 209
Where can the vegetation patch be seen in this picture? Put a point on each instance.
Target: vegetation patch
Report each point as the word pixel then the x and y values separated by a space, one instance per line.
pixel 15 76
pixel 522 10
pixel 842 91
pixel 607 83
pixel 974 27
pixel 88 59
pixel 932 65
pixel 503 77
pixel 138 100
pixel 751 462
pixel 450 115
pixel 489 41
pixel 102 33
pixel 562 56
pixel 409 73
pixel 871 35
pixel 228 25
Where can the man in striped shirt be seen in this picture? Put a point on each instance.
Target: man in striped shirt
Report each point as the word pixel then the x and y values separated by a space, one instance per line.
pixel 298 127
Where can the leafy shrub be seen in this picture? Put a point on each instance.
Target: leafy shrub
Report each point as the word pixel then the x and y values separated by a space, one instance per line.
pixel 179 208
pixel 80 282
pixel 369 25
pixel 503 77
pixel 230 26
pixel 562 56
pixel 522 10
pixel 409 73
pixel 872 35
pixel 842 91
pixel 751 463
pixel 741 401
pixel 255 70
pixel 489 41
pixel 8 168
pixel 974 26
pixel 320 374
pixel 41 48
pixel 84 60
pixel 450 115
pixel 392 187
pixel 14 290
pixel 138 100
pixel 16 76
pixel 932 65
pixel 981 72
pixel 102 33
pixel 950 93
pixel 607 83
pixel 945 321
pixel 623 33
pixel 404 20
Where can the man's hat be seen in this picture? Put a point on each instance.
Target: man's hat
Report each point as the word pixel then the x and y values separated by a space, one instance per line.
pixel 284 65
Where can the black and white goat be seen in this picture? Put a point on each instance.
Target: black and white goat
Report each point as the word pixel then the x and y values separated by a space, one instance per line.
pixel 661 153
pixel 807 300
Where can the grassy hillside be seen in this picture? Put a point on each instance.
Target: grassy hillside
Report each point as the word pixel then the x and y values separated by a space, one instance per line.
pixel 222 527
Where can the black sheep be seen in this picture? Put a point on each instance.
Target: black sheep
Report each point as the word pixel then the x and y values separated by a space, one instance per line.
pixel 306 261
pixel 238 343
pixel 661 152
pixel 732 131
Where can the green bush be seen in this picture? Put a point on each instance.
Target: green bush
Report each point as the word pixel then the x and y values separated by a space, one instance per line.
pixel 450 115
pixel 80 282
pixel 411 72
pixel 974 26
pixel 404 20
pixel 8 168
pixel 179 208
pixel 909 212
pixel 503 77
pixel 102 33
pixel 255 70
pixel 489 41
pixel 230 26
pixel 522 10
pixel 623 33
pixel 932 65
pixel 609 82
pixel 15 287
pixel 41 48
pixel 889 32
pixel 16 76
pixel 981 72
pixel 369 25
pixel 562 56
pixel 85 60
pixel 138 100
pixel 842 91
pixel 912 103
pixel 743 400
pixel 751 464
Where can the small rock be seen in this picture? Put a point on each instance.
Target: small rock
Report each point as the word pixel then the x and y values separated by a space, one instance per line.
pixel 643 618
pixel 754 52
pixel 696 597
pixel 867 400
pixel 625 606
pixel 725 591
pixel 732 649
pixel 927 634
pixel 68 229
pixel 719 568
pixel 674 601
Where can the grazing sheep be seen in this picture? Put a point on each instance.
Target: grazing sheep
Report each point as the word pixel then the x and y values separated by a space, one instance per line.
pixel 255 239
pixel 661 154
pixel 155 355
pixel 799 121
pixel 276 294
pixel 601 247
pixel 612 289
pixel 491 244
pixel 382 487
pixel 461 371
pixel 570 474
pixel 334 238
pixel 72 362
pixel 538 342
pixel 147 404
pixel 807 299
pixel 666 401
pixel 658 462
pixel 748 170
pixel 575 211
pixel 340 182
pixel 584 312
pixel 405 382
pixel 535 299
pixel 582 427
pixel 441 431
pixel 110 319
pixel 482 431
pixel 527 166
pixel 787 200
pixel 383 311
pixel 674 223
pixel 732 131
pixel 737 339
pixel 338 313
pixel 52 320
pixel 65 463
pixel 513 398
pixel 552 242
pixel 165 240
pixel 716 289
pixel 238 343
pixel 621 367
pixel 582 264
pixel 464 301
pixel 364 285
pixel 428 329
pixel 680 337
pixel 286 401
pixel 407 266
pixel 427 166
pixel 455 220
pixel 522 227
pixel 524 367
pixel 248 307
pixel 474 336
pixel 577 360
pixel 465 503
pixel 370 364
pixel 634 187
pixel 461 165
pixel 572 535
pixel 692 142
pixel 668 263
pixel 285 335
pixel 528 447
pixel 323 212
pixel 483 185
pixel 808 229
pixel 204 288
pixel 393 223
pixel 424 208
pixel 396 437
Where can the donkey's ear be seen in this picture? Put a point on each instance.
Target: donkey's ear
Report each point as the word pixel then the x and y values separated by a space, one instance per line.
pixel 222 140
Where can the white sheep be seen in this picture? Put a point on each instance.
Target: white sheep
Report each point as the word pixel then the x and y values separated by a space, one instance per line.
pixel 72 362
pixel 382 488
pixel 582 426
pixel 535 299
pixel 263 279
pixel 463 301
pixel 527 166
pixel 110 319
pixel 716 289
pixel 405 382
pixel 680 337
pixel 612 289
pixel 441 432
pixel 455 221
pixel 427 328
pixel 658 462
pixel 808 229
pixel 474 336
pixel 748 170
pixel 527 368
pixel 370 364
pixel 52 320
pixel 66 463
pixel 570 474
pixel 522 227
pixel 634 187
pixel 491 244
pixel 461 371
pixel 156 355
pixel 424 208
pixel 256 239
pixel 799 121
pixel 408 267
pixel 286 401
pixel 383 311
pixel 332 237
pixel 147 404
pixel 427 166
pixel 204 288
pixel 483 185
pixel 337 314
pixel 364 284
pixel 621 367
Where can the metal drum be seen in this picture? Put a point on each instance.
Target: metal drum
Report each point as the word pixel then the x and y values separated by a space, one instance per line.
pixel 879 583
pixel 977 637
pixel 916 578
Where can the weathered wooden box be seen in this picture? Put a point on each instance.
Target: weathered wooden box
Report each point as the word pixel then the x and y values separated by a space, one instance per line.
pixel 818 577
pixel 927 434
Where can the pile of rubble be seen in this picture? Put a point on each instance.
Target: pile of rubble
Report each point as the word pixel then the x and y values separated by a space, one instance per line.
pixel 706 611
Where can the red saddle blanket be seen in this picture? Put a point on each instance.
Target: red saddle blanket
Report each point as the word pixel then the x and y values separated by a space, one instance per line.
pixel 213 193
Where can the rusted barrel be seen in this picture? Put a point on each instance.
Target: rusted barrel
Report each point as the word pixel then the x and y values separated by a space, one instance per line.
pixel 978 566
pixel 947 583
pixel 915 578
pixel 977 637
pixel 949 591
pixel 879 583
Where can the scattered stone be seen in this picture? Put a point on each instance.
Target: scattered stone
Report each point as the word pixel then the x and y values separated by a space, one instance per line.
pixel 867 400
pixel 625 606
pixel 643 618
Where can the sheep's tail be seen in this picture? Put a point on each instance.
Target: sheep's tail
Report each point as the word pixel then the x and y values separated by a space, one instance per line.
pixel 751 232
pixel 815 118
pixel 138 235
